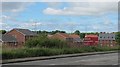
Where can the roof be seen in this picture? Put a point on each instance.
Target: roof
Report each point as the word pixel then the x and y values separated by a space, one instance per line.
pixel 64 35
pixel 26 32
pixel 49 35
pixel 91 35
pixel 69 35
pixel 74 36
pixel 7 38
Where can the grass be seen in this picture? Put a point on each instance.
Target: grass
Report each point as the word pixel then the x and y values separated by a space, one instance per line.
pixel 36 52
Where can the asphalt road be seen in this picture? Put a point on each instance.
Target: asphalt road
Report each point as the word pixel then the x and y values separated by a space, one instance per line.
pixel 101 59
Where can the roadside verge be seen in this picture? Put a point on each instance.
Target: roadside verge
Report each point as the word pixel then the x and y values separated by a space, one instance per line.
pixel 53 57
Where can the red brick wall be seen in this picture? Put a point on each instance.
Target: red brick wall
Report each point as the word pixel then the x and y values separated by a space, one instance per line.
pixel 19 36
pixel 107 43
pixel 9 44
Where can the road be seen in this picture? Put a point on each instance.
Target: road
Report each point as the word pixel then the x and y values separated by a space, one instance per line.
pixel 101 59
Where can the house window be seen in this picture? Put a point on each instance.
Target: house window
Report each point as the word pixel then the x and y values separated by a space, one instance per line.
pixel 15 43
pixel 111 42
pixel 15 36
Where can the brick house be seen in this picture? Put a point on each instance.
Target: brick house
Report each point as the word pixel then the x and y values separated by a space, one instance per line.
pixel 90 40
pixel 63 36
pixel 107 39
pixel 7 40
pixel 66 37
pixel 76 38
pixel 21 35
pixel 72 39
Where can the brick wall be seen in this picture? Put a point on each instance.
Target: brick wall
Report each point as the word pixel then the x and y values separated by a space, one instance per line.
pixel 19 36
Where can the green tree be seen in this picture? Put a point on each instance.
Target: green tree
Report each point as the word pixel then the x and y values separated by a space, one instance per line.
pixel 77 32
pixel 118 37
pixel 2 31
pixel 82 35
pixel 57 31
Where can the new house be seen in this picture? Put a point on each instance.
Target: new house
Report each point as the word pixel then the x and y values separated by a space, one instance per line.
pixel 21 35
pixel 91 39
pixel 66 37
pixel 7 40
pixel 76 38
pixel 72 39
pixel 107 39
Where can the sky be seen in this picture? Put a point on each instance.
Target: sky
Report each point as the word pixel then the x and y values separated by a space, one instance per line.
pixel 66 16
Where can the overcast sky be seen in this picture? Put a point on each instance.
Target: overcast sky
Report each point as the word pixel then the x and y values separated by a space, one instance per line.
pixel 67 16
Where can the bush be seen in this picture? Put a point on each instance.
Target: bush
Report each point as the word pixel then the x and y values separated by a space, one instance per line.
pixel 43 41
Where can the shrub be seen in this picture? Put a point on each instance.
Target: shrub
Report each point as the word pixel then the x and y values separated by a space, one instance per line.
pixel 43 41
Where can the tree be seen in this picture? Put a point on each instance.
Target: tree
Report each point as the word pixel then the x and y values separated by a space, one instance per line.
pixel 82 35
pixel 2 31
pixel 77 32
pixel 57 31
pixel 118 38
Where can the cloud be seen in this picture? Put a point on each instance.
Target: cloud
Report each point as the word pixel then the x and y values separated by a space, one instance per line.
pixel 54 4
pixel 60 0
pixel 86 8
pixel 14 6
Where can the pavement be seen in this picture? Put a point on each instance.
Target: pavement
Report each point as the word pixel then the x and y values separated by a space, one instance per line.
pixel 98 59
pixel 25 60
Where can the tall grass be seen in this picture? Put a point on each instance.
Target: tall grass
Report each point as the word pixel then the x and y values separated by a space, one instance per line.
pixel 36 52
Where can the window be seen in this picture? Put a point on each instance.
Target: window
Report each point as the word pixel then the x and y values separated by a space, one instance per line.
pixel 14 36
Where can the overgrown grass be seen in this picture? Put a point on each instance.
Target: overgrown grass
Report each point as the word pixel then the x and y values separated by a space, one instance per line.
pixel 36 52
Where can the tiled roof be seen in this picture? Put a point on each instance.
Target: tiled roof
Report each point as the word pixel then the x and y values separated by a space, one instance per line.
pixel 74 36
pixel 7 38
pixel 91 35
pixel 64 35
pixel 69 35
pixel 26 32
